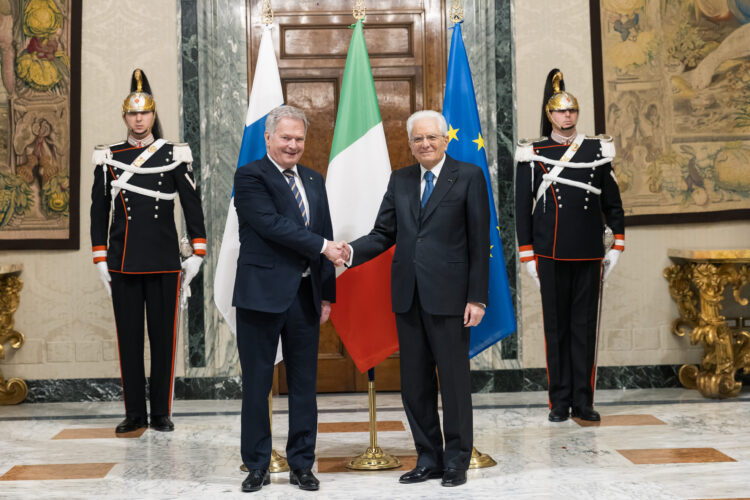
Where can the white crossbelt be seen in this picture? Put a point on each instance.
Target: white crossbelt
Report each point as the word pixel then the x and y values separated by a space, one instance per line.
pixel 121 183
pixel 554 174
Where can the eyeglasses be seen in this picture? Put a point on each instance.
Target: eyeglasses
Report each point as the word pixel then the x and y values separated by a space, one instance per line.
pixel 432 139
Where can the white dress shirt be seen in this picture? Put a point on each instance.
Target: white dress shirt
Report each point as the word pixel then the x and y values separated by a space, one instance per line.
pixel 435 170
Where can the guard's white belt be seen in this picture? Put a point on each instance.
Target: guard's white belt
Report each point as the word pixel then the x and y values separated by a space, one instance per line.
pixel 117 184
pixel 138 170
pixel 571 182
pixel 568 164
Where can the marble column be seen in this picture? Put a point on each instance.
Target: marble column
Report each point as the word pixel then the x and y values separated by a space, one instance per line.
pixel 214 67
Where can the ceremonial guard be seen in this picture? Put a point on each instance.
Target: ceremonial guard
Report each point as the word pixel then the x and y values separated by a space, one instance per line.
pixel 566 190
pixel 132 205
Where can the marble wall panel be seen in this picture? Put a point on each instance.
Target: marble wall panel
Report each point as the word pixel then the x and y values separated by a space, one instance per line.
pixel 221 78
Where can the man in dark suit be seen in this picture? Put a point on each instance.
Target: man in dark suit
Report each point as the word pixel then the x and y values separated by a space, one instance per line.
pixel 284 287
pixel 437 214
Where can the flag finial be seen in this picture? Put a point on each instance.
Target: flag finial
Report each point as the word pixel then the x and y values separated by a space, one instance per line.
pixel 456 12
pixel 359 9
pixel 267 13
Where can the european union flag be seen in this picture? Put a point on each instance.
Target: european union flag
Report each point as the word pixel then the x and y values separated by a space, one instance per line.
pixel 467 144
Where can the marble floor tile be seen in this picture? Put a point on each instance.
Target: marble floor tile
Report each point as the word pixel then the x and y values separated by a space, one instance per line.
pixel 536 459
pixel 382 426
pixel 47 472
pixel 97 433
pixel 621 420
pixel 329 465
pixel 675 456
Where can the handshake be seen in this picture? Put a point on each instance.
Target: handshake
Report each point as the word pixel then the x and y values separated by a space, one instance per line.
pixel 337 252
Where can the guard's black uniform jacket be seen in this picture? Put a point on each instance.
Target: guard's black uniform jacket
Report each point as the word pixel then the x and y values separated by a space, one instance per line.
pixel 564 234
pixel 567 223
pixel 142 235
pixel 143 259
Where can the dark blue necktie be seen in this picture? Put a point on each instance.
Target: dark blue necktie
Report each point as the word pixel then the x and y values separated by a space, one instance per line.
pixel 428 187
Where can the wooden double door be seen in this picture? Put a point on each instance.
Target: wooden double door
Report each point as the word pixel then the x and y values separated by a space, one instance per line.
pixel 406 42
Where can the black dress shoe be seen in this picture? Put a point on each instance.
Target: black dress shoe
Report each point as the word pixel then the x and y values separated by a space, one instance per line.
pixel 256 479
pixel 162 423
pixel 130 425
pixel 558 414
pixel 587 413
pixel 420 474
pixel 453 477
pixel 305 479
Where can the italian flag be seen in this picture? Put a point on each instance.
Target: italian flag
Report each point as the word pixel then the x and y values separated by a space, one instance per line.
pixel 357 179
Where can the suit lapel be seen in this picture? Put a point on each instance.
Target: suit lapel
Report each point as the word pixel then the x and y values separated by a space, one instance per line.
pixel 448 177
pixel 413 190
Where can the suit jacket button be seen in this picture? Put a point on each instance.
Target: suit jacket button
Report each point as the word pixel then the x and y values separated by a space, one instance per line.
pixel 156 216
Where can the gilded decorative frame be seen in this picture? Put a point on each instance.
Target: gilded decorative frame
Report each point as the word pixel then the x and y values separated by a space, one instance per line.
pixel 672 90
pixel 40 87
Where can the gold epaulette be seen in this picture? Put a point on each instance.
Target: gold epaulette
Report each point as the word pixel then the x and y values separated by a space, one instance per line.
pixel 529 142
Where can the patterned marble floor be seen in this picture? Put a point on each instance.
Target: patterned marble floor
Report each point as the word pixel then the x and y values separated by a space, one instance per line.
pixel 651 444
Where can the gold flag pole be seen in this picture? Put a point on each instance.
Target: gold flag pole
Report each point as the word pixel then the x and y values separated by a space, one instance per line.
pixel 278 461
pixel 373 458
pixel 478 460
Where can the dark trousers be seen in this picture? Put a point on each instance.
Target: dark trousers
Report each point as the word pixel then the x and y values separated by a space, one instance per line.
pixel 257 339
pixel 426 341
pixel 160 294
pixel 570 305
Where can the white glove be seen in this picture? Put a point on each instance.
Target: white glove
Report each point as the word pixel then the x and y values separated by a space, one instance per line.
pixel 531 269
pixel 104 276
pixel 610 261
pixel 190 268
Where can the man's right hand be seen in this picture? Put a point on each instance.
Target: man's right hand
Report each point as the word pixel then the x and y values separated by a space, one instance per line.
pixel 104 276
pixel 337 252
pixel 531 269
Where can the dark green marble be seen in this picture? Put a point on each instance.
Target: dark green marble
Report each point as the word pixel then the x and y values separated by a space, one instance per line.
pixel 196 336
pixel 504 136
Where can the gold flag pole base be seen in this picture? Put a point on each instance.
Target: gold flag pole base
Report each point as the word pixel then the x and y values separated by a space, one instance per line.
pixel 374 459
pixel 278 463
pixel 480 460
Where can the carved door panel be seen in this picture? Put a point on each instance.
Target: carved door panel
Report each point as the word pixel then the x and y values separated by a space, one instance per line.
pixel 407 46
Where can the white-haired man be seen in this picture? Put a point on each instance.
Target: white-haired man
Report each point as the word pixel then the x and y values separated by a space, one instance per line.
pixel 436 212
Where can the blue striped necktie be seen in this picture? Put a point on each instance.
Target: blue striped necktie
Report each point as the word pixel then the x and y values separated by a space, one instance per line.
pixel 289 173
